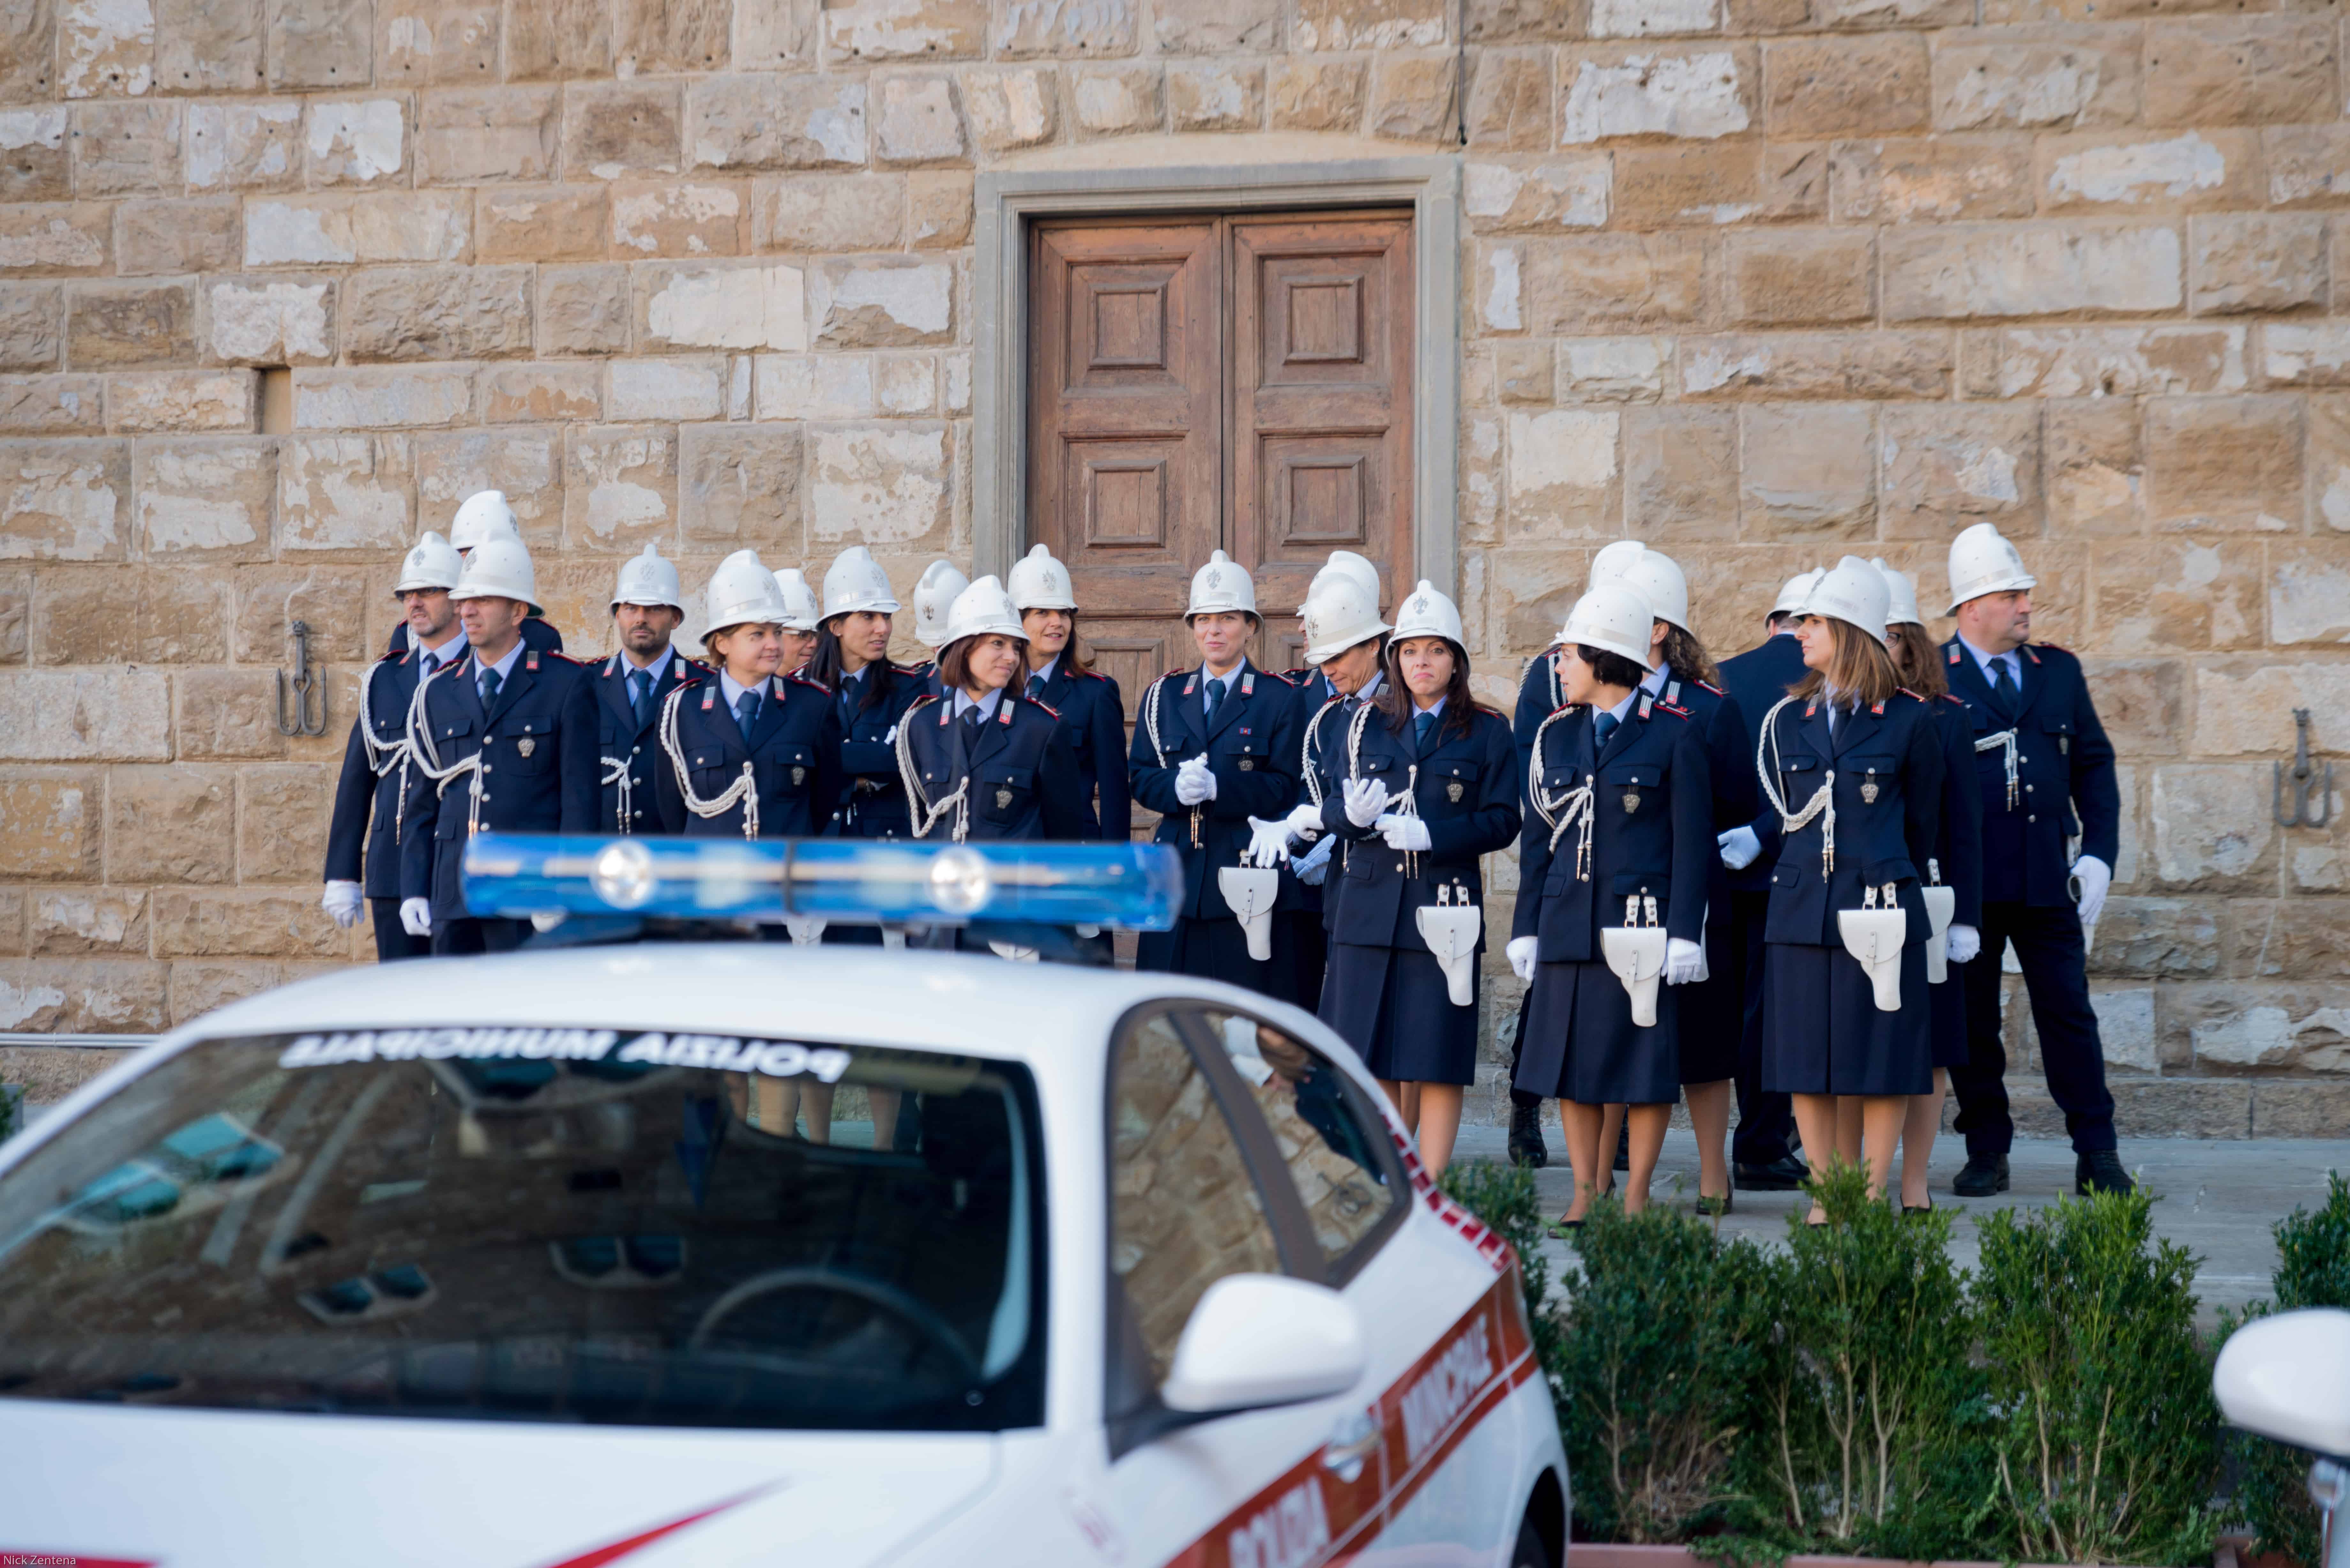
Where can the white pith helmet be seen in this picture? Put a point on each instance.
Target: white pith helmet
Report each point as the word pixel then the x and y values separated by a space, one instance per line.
pixel 1613 617
pixel 942 583
pixel 983 609
pixel 432 563
pixel 1221 588
pixel 1658 578
pixel 742 592
pixel 499 568
pixel 1795 590
pixel 1613 561
pixel 1338 614
pixel 856 581
pixel 1853 592
pixel 481 517
pixel 1983 562
pixel 1427 612
pixel 1040 582
pixel 799 599
pixel 1901 596
pixel 647 580
pixel 1347 566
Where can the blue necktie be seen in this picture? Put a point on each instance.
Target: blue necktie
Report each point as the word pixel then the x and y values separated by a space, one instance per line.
pixel 1035 688
pixel 746 713
pixel 491 681
pixel 1419 729
pixel 2002 689
pixel 1602 726
pixel 641 694
pixel 1214 694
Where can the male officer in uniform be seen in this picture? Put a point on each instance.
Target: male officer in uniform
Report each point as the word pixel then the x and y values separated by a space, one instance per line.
pixel 2040 756
pixel 508 735
pixel 376 778
pixel 481 517
pixel 647 607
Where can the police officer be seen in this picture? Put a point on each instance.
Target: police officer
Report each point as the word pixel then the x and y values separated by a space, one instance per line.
pixel 1760 1158
pixel 481 517
pixel 1318 683
pixel 800 618
pixel 372 794
pixel 852 658
pixel 2041 757
pixel 1215 746
pixel 942 582
pixel 647 607
pixel 507 735
pixel 1092 714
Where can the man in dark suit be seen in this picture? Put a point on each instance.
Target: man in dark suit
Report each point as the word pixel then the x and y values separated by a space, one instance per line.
pixel 647 607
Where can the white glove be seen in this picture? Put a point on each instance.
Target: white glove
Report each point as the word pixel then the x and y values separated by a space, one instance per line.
pixel 806 930
pixel 1520 953
pixel 416 917
pixel 1739 847
pixel 1365 798
pixel 1194 783
pixel 342 901
pixel 891 738
pixel 1403 832
pixel 1306 822
pixel 2096 877
pixel 1012 951
pixel 1268 842
pixel 1962 944
pixel 1683 959
pixel 1314 865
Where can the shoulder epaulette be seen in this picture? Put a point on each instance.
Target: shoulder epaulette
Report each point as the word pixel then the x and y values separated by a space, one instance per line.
pixel 1286 680
pixel 1040 702
pixel 1090 675
pixel 399 653
pixel 1675 708
pixel 1954 697
pixel 2051 647
pixel 1713 687
pixel 557 655
pixel 804 681
pixel 922 669
pixel 1173 673
pixel 1562 708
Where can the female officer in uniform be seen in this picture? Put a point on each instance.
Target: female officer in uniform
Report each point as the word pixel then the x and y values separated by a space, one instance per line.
pixel 871 695
pixel 800 619
pixel 1851 770
pixel 1419 783
pixel 1618 835
pixel 1093 716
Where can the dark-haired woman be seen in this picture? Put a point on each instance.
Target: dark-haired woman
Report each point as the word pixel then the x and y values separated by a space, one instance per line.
pixel 1619 836
pixel 1851 769
pixel 1092 714
pixel 1419 786
pixel 852 658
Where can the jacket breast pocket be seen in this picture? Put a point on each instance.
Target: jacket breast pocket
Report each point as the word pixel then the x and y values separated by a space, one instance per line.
pixel 2059 733
pixel 1871 776
pixel 1633 787
pixel 531 745
pixel 1455 783
pixel 793 767
pixel 1001 792
pixel 710 768
pixel 446 729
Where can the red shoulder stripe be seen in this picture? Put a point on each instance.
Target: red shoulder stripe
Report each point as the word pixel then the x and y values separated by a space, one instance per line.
pixel 1037 702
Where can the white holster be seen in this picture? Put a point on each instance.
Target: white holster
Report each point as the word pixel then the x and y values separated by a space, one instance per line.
pixel 1875 936
pixel 1635 954
pixel 893 939
pixel 1450 931
pixel 1941 903
pixel 1250 890
pixel 806 932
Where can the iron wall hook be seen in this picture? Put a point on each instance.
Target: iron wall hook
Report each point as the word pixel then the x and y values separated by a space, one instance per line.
pixel 2308 780
pixel 309 714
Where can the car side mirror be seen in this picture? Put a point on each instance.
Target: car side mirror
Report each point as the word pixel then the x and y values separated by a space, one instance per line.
pixel 1256 1340
pixel 2288 1378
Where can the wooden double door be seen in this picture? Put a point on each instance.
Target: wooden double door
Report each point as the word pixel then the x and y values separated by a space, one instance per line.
pixel 1239 383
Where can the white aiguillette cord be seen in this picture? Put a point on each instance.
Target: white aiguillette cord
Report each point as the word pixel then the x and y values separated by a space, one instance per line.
pixel 926 816
pixel 428 756
pixel 1822 803
pixel 745 788
pixel 617 772
pixel 1562 812
pixel 2004 738
pixel 382 758
pixel 1151 726
pixel 1306 752
pixel 1405 803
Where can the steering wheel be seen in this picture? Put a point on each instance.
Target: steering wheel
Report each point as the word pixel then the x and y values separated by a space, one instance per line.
pixel 905 1308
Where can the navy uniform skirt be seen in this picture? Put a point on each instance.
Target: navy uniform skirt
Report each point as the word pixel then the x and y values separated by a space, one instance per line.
pixel 1713 1015
pixel 1218 950
pixel 1390 1004
pixel 1581 1044
pixel 1945 1005
pixel 1822 1032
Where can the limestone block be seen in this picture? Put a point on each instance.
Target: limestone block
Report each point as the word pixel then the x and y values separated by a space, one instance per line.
pixel 270 321
pixel 2305 354
pixel 64 499
pixel 1786 365
pixel 105 50
pixel 2308 165
pixel 199 986
pixel 1597 282
pixel 542 223
pixel 357 141
pixel 84 715
pixel 776 122
pixel 252 145
pixel 879 486
pixel 1671 184
pixel 1875 85
pixel 62 921
pixel 865 31
pixel 2125 1030
pixel 205 498
pixel 2282 1029
pixel 2096 468
pixel 1797 277
pixel 619 486
pixel 227 713
pixel 616 129
pixel 2224 462
pixel 1649 18
pixel 1674 91
pixel 665 36
pixel 109 325
pixel 2295 1108
pixel 1526 373
pixel 32 325
pixel 739 486
pixel 1217 26
pixel 1012 108
pixel 1565 481
pixel 2037 270
pixel 50 824
pixel 153 237
pixel 167 400
pixel 132 615
pixel 83 996
pixel 1613 369
pixel 816 387
pixel 1810 471
pixel 437 312
pixel 827 212
pixel 2308 597
pixel 1919 178
pixel 420 43
pixel 870 302
pixel 28 48
pixel 477 133
pixel 583 309
pixel 2149 171
pixel 2105 361
pixel 916 121
pixel 907 384
pixel 1067 27
pixel 667 388
pixel 1532 591
pixel 126 149
pixel 2178 595
pixel 1118 100
pixel 939 208
pixel 1215 96
pixel 1509 103
pixel 684 306
pixel 36 163
pixel 558 38
pixel 512 394
pixel 38 237
pixel 1680 473
pixel 344 492
pixel 2240 70
pixel 1947 466
pixel 16 603
pixel 524 462
pixel 956 380
pixel 2158 938
pixel 2291 938
pixel 282 825
pixel 1497 278
pixel 381 400
pixel 374 228
pixel 319 43
pixel 1871 14
pixel 677 219
pixel 1413 99
pixel 1482 478
pixel 1318 95
pixel 2053 77
pixel 241 925
pixel 2242 711
pixel 52 405
pixel 1379 25
pixel 2325 454
pixel 2142 703
pixel 2257 261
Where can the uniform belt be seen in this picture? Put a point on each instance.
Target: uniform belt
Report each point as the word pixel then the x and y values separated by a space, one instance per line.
pixel 2005 738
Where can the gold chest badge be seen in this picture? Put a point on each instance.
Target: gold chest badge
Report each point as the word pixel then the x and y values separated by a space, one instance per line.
pixel 524 746
pixel 1452 791
pixel 1004 800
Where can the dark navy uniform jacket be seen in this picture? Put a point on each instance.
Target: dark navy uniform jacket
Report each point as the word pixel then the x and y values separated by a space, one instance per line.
pixel 536 633
pixel 1539 697
pixel 794 751
pixel 1887 761
pixel 2063 764
pixel 1958 841
pixel 1093 726
pixel 1653 837
pixel 1024 779
pixel 539 768
pixel 1252 748
pixel 367 805
pixel 1756 679
pixel 872 799
pixel 1464 790
pixel 627 744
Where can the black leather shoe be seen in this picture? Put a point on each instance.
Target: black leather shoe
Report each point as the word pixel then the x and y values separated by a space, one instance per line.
pixel 1984 1175
pixel 1624 1145
pixel 2101 1172
pixel 1526 1137
pixel 1784 1174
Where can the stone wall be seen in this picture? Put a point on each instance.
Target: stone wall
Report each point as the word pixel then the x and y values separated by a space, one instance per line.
pixel 1759 281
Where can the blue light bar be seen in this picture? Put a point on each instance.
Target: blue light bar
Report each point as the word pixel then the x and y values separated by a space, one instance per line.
pixel 853 881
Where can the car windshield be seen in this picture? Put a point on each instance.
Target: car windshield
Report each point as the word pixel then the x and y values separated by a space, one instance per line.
pixel 542 1224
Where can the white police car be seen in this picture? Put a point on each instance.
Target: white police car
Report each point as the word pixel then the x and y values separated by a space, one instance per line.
pixel 596 1256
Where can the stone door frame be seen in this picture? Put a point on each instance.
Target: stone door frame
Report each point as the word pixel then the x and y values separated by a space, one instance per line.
pixel 1007 200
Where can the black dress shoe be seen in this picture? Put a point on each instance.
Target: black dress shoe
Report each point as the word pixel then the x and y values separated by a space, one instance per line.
pixel 1624 1144
pixel 1784 1174
pixel 1526 1146
pixel 2101 1172
pixel 1984 1175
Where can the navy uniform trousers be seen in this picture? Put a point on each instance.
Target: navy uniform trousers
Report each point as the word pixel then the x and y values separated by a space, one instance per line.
pixel 367 805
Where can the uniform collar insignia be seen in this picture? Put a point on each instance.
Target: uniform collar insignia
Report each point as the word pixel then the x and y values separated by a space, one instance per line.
pixel 2031 653
pixel 710 697
pixel 1647 701
pixel 1248 683
pixel 1954 653
pixel 1877 708
pixel 1189 683
pixel 1003 710
pixel 530 661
